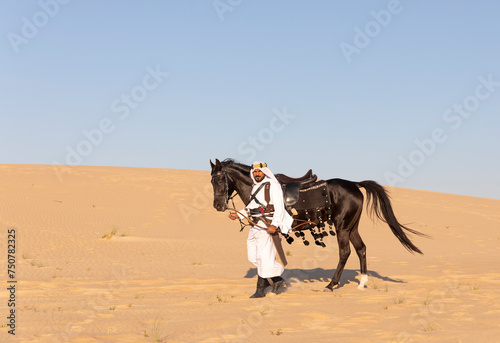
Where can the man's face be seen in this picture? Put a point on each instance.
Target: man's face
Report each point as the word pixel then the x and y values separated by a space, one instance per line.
pixel 258 175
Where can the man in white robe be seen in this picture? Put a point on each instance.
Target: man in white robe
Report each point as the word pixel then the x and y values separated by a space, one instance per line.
pixel 260 246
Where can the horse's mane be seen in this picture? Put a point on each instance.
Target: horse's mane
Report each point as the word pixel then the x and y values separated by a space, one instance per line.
pixel 240 167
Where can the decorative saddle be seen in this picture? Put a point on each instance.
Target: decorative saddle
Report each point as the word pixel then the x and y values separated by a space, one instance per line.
pixel 307 199
pixel 292 185
pixel 308 177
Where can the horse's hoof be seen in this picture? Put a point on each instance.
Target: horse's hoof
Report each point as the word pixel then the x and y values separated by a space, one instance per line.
pixel 328 290
pixel 363 280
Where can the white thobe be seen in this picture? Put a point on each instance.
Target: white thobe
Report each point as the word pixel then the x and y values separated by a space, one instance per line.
pixel 260 247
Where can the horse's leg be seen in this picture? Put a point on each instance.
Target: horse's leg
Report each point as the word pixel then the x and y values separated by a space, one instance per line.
pixel 360 247
pixel 347 202
pixel 344 252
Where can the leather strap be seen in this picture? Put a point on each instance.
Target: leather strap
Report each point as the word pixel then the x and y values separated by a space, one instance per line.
pixel 267 194
pixel 253 196
pixel 279 248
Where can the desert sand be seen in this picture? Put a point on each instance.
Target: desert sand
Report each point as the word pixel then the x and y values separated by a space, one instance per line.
pixel 107 254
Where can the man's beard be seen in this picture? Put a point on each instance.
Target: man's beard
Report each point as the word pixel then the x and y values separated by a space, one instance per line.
pixel 259 178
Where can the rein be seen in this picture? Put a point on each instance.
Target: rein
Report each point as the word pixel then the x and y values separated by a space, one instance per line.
pixel 254 224
pixel 249 220
pixel 242 225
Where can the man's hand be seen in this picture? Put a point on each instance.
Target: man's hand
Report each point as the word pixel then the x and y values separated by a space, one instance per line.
pixel 271 229
pixel 233 216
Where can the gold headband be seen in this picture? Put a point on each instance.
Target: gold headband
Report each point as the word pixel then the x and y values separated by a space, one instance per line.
pixel 258 166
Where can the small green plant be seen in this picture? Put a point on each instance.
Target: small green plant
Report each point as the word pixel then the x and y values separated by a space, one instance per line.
pixel 196 263
pixel 288 253
pixel 400 299
pixel 35 263
pixel 278 332
pixel 429 328
pixel 157 331
pixel 473 287
pixel 112 308
pixel 427 300
pixel 110 234
pixel 222 300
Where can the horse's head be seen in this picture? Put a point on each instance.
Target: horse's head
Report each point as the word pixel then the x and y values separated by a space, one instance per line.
pixel 220 183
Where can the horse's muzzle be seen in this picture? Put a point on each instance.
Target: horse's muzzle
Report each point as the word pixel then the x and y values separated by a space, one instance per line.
pixel 221 207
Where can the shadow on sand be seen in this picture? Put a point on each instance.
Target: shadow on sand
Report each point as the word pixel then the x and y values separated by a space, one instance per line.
pixel 324 275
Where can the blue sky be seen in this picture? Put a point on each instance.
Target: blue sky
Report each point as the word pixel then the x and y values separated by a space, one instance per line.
pixel 406 93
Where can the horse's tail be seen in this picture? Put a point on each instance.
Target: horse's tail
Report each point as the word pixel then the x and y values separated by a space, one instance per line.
pixel 381 207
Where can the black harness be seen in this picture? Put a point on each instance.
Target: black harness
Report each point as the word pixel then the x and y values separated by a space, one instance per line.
pixel 263 212
pixel 254 196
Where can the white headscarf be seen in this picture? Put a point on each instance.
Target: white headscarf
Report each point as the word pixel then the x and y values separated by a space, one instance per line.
pixel 267 172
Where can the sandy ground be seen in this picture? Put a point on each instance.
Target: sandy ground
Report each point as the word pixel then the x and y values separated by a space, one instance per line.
pixel 175 270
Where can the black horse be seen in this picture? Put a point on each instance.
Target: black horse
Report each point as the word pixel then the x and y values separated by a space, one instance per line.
pixel 346 201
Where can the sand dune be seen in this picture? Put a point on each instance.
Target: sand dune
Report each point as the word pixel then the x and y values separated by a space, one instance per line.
pixel 170 267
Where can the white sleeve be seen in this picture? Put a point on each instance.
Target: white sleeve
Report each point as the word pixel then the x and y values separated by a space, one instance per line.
pixel 242 213
pixel 281 218
pixel 279 207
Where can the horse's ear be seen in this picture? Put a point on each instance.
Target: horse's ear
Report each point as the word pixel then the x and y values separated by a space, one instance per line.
pixel 218 164
pixel 212 165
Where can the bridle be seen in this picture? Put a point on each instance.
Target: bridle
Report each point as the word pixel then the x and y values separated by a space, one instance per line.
pixel 228 196
pixel 225 193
